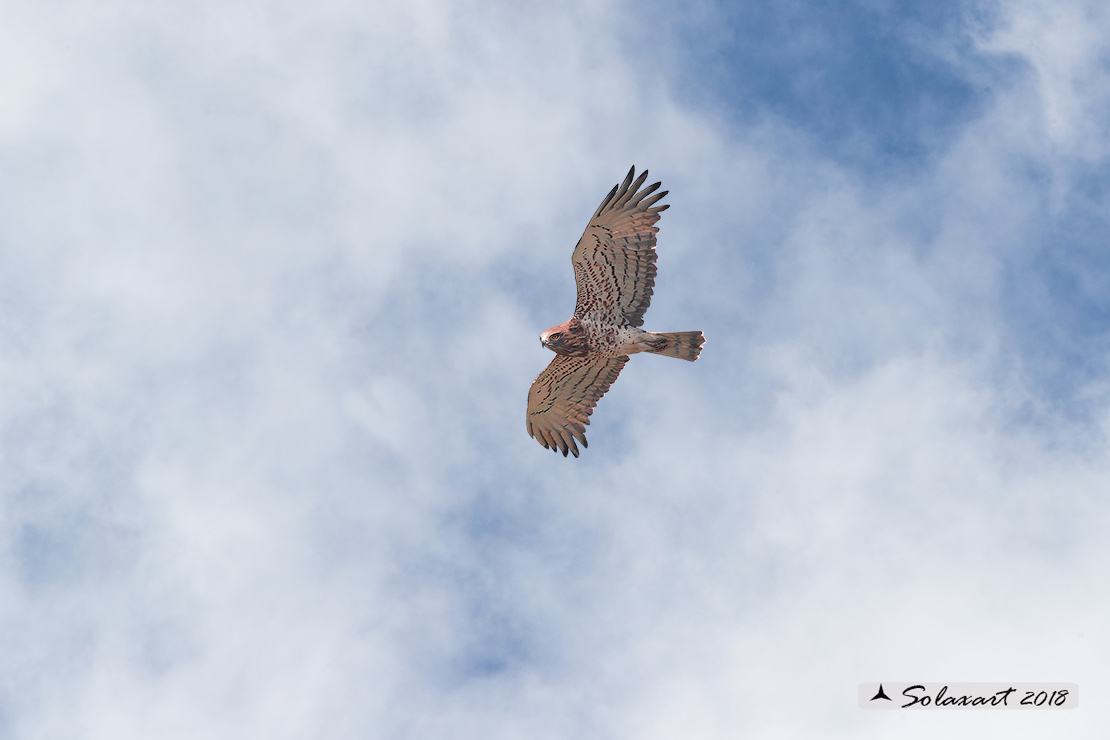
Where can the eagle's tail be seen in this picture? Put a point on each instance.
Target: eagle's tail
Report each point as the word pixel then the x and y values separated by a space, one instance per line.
pixel 685 345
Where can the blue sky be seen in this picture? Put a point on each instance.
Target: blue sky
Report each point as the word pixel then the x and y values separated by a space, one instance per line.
pixel 272 278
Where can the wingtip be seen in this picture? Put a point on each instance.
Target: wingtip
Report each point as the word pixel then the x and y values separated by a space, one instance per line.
pixel 627 181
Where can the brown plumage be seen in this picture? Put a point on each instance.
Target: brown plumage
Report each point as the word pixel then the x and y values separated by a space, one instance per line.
pixel 614 268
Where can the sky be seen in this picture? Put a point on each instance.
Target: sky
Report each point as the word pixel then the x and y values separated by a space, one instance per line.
pixel 272 277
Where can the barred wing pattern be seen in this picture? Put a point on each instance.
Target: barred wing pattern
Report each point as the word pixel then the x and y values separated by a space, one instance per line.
pixel 563 396
pixel 614 262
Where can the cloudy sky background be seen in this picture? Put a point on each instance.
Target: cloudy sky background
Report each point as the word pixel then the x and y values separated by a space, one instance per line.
pixel 272 276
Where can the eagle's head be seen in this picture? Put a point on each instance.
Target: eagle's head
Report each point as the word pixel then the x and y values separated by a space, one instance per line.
pixel 568 338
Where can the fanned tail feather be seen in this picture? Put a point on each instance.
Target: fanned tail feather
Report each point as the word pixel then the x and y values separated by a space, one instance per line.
pixel 685 345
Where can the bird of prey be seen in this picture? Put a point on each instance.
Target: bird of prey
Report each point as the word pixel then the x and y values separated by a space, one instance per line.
pixel 614 268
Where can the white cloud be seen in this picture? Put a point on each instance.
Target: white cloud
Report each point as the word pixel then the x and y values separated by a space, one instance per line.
pixel 265 474
pixel 1064 45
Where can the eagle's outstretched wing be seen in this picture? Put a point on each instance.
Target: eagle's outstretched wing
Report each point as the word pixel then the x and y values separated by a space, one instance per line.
pixel 563 396
pixel 614 262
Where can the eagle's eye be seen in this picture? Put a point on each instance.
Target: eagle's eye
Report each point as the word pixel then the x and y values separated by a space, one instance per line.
pixel 554 337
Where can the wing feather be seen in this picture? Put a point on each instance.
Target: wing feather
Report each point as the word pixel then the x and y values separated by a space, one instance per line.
pixel 614 262
pixel 564 395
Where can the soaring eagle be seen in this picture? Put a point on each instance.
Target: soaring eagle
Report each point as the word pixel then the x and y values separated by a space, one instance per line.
pixel 614 267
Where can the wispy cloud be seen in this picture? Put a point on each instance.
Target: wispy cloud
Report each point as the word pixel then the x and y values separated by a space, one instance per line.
pixel 272 279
